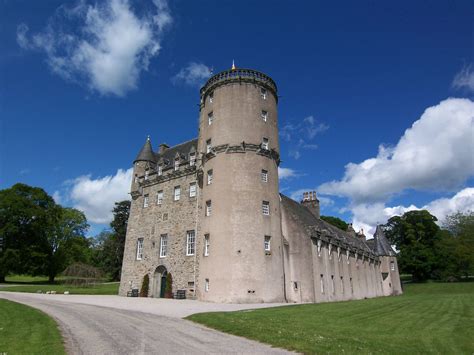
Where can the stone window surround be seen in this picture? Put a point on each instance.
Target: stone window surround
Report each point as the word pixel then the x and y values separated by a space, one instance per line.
pixel 139 255
pixel 190 242
pixel 163 245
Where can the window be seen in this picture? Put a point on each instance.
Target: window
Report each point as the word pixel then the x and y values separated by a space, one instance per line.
pixel 140 249
pixel 145 201
pixel 210 118
pixel 192 159
pixel 176 164
pixel 263 94
pixel 163 245
pixel 322 283
pixel 208 208
pixel 264 116
pixel 177 193
pixel 146 174
pixel 190 242
pixel 208 146
pixel 264 176
pixel 206 285
pixel 352 287
pixel 192 189
pixel 266 243
pixel 209 177
pixel 266 208
pixel 211 97
pixel 333 286
pixel 165 216
pixel 342 284
pixel 392 265
pixel 136 179
pixel 159 198
pixel 265 143
pixel 206 244
pixel 160 170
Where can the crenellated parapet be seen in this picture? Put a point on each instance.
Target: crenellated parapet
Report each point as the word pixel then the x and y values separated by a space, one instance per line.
pixel 238 76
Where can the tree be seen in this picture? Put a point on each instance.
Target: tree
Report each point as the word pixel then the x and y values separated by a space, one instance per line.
pixel 39 237
pixel 337 222
pixel 27 216
pixel 110 244
pixel 415 234
pixel 456 247
pixel 67 242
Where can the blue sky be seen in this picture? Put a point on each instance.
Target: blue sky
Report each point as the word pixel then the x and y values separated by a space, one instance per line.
pixel 84 83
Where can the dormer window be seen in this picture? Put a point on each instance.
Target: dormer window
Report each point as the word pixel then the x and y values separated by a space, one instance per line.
pixel 192 159
pixel 146 174
pixel 160 170
pixel 210 118
pixel 211 97
pixel 265 143
pixel 263 94
pixel 264 116
pixel 176 164
pixel 208 146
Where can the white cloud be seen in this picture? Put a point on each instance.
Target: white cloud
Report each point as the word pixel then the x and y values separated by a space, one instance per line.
pixel 97 197
pixel 464 79
pixel 194 74
pixel 367 216
pixel 104 46
pixel 435 153
pixel 286 173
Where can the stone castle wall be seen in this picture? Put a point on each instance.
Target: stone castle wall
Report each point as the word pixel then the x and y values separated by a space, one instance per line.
pixel 173 218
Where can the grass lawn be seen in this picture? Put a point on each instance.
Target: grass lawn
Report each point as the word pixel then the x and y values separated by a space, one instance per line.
pixel 428 318
pixel 25 330
pixel 98 289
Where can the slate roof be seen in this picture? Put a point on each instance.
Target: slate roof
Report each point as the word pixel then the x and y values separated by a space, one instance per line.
pixel 317 228
pixel 146 153
pixel 168 156
pixel 381 244
pixel 183 149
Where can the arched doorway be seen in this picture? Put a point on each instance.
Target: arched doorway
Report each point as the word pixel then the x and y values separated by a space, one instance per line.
pixel 159 282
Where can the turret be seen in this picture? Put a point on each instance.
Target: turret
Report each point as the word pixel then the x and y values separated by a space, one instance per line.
pixel 238 141
pixel 391 284
pixel 143 164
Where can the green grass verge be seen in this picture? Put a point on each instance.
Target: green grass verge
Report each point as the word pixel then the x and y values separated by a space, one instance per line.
pixel 98 289
pixel 25 330
pixel 428 318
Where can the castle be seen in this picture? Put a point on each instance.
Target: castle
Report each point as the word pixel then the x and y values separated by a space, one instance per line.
pixel 209 212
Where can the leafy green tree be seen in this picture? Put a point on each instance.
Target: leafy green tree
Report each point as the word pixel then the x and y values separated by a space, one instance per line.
pixel 27 216
pixel 415 235
pixel 67 243
pixel 456 247
pixel 110 244
pixel 337 222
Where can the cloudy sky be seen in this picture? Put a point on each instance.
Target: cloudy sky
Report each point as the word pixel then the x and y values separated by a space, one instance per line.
pixel 376 111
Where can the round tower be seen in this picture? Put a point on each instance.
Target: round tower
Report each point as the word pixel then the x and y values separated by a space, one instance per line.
pixel 240 224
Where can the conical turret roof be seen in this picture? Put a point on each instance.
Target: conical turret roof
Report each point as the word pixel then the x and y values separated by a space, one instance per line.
pixel 146 153
pixel 381 244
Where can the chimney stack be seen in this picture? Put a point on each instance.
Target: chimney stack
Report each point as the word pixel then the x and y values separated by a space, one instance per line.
pixel 311 202
pixel 163 147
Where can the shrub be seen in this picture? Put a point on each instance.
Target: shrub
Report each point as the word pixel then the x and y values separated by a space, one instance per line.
pixel 169 286
pixel 145 286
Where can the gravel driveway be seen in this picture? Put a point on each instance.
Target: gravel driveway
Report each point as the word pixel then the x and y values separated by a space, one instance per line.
pixel 93 329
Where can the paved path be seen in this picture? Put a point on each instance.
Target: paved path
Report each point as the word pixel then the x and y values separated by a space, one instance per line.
pixel 94 329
